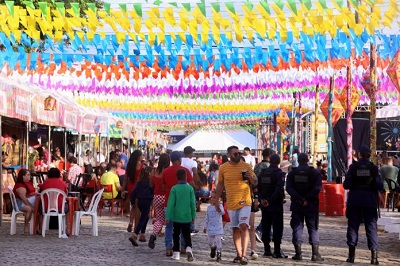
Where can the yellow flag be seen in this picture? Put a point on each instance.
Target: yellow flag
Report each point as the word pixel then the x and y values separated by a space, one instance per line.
pixel 152 38
pixel 59 35
pixel 137 25
pixel 271 34
pixel 156 11
pixel 149 24
pixel 283 35
pixel 161 37
pixel 339 21
pixel 260 26
pixel 229 35
pixel 182 35
pixel 216 33
pixel 238 33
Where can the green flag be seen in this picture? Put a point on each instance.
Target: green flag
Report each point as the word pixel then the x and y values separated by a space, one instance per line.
pixel 249 5
pixel 323 4
pixel 92 6
pixel 157 2
pixel 138 9
pixel 279 3
pixel 123 7
pixel 43 8
pixel 76 8
pixel 107 8
pixel 339 3
pixel 292 5
pixel 29 4
pixel 307 3
pixel 265 5
pixel 202 7
pixel 216 6
pixel 186 6
pixel 10 7
pixel 354 2
pixel 60 7
pixel 230 6
pixel 173 4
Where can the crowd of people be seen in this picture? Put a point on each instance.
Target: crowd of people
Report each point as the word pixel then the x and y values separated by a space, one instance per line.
pixel 171 188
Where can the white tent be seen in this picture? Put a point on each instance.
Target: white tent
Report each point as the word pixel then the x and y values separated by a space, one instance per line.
pixel 390 111
pixel 217 141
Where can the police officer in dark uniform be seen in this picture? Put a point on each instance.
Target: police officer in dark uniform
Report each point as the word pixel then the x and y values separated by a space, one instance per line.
pixel 364 182
pixel 303 185
pixel 271 183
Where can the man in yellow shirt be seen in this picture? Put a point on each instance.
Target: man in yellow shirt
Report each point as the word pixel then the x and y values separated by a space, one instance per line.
pixel 111 177
pixel 235 176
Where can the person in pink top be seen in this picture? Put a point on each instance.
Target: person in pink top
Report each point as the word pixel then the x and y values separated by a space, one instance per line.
pixel 159 198
pixel 132 173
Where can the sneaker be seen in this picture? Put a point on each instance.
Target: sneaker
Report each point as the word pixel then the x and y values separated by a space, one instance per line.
pixel 219 255
pixel 222 238
pixel 253 255
pixel 193 232
pixel 258 236
pixel 152 241
pixel 212 253
pixel 189 254
pixel 176 255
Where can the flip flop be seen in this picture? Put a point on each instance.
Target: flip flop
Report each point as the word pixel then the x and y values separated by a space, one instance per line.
pixel 244 261
pixel 133 241
pixel 237 259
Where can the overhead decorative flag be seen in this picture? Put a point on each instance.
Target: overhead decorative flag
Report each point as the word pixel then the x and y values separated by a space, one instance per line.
pixel 283 120
pixel 393 70
pixel 337 108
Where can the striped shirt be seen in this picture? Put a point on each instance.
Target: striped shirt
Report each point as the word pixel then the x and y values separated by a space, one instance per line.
pixel 237 191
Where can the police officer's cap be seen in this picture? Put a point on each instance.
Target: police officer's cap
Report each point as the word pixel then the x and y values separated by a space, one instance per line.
pixel 364 149
pixel 267 152
pixel 274 159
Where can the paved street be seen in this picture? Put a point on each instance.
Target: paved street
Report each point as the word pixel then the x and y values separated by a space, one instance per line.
pixel 113 248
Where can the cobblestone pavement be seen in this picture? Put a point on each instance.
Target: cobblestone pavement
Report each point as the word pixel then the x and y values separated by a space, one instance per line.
pixel 112 247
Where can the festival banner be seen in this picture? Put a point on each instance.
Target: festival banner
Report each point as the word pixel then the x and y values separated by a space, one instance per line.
pixel 87 124
pixel 22 105
pixel 69 119
pixel 42 116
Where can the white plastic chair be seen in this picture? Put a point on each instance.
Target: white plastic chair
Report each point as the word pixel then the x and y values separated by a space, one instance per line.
pixel 17 212
pixel 92 211
pixel 53 194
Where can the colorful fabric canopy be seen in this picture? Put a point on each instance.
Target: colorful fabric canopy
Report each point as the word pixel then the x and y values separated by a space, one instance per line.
pixel 169 64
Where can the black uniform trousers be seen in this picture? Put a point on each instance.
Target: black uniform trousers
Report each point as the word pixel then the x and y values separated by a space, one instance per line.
pixel 354 217
pixel 272 219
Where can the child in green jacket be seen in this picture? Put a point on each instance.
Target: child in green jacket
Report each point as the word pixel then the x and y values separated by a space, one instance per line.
pixel 181 210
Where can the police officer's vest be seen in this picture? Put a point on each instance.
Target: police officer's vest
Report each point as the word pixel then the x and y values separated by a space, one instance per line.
pixel 304 180
pixel 363 177
pixel 268 181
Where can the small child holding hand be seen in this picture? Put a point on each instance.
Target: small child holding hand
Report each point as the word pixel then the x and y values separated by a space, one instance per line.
pixel 214 226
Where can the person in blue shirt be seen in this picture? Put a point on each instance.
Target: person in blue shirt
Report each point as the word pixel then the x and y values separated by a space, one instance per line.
pixel 122 157
pixel 364 183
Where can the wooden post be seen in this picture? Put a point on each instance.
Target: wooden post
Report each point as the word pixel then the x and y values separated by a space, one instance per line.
pixel 316 112
pixel 330 129
pixel 372 119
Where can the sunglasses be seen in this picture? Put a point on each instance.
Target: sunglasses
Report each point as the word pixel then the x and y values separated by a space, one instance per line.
pixel 236 154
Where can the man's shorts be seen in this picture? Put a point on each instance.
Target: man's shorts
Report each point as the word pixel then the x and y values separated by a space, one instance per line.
pixel 240 216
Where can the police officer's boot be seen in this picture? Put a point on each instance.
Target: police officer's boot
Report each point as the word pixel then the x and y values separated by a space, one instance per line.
pixel 297 249
pixel 267 250
pixel 352 255
pixel 278 254
pixel 315 253
pixel 374 257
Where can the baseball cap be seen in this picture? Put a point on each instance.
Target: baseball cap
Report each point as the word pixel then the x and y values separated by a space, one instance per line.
pixel 188 150
pixel 364 149
pixel 175 156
